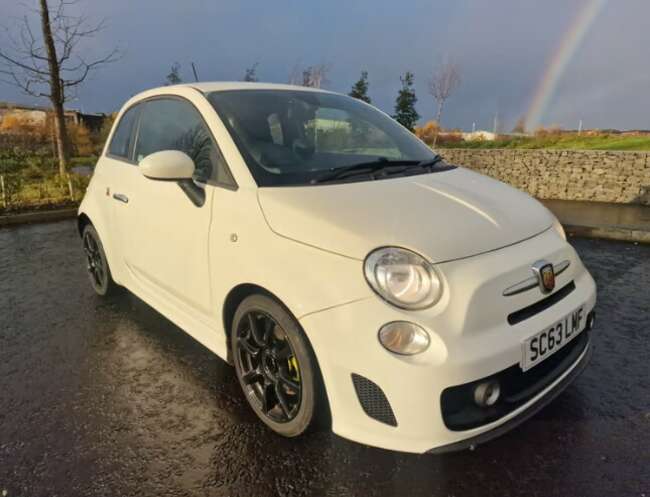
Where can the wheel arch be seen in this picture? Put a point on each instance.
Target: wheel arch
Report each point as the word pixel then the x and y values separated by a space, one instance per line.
pixel 82 221
pixel 95 219
pixel 234 298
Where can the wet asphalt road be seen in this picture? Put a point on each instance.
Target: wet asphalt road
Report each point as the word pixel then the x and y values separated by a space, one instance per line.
pixel 107 398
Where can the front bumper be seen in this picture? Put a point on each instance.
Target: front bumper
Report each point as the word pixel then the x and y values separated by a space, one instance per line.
pixel 470 339
pixel 535 405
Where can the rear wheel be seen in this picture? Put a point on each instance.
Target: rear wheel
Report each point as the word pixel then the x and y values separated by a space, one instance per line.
pixel 275 366
pixel 96 263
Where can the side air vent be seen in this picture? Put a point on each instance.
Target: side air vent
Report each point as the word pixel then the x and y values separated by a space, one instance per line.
pixel 373 400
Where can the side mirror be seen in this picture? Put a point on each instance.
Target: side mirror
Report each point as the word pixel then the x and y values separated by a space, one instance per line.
pixel 170 165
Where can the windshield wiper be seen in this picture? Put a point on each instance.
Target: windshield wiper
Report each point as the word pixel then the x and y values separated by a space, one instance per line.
pixel 379 164
pixel 431 163
pixel 369 167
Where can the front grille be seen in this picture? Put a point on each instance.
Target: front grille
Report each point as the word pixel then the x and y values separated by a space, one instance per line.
pixel 540 305
pixel 373 400
pixel 460 412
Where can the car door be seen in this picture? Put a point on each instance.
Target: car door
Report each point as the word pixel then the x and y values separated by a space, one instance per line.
pixel 120 175
pixel 169 222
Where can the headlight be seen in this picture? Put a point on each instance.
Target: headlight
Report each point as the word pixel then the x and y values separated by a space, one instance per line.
pixel 558 228
pixel 404 338
pixel 403 278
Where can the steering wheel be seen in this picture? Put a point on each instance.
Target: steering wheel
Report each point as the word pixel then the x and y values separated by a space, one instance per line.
pixel 302 150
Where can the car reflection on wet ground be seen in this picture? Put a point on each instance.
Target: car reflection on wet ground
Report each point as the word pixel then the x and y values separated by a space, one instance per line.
pixel 109 398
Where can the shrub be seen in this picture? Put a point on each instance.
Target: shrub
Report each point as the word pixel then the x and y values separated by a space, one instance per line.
pixel 11 160
pixel 80 140
pixel 19 132
pixel 99 138
pixel 428 132
pixel 24 191
pixel 552 131
pixel 33 171
pixel 446 139
pixel 13 184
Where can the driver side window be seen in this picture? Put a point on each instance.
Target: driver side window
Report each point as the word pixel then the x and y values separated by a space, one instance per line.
pixel 336 131
pixel 173 124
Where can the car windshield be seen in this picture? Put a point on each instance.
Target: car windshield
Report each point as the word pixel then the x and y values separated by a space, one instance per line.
pixel 298 137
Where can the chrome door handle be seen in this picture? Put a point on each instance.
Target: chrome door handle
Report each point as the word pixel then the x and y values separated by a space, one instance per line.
pixel 121 197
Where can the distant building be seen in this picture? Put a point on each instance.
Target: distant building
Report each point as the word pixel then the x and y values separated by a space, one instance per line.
pixel 36 114
pixel 479 135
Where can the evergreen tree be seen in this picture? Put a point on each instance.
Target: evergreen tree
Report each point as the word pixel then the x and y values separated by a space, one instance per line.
pixel 405 112
pixel 360 88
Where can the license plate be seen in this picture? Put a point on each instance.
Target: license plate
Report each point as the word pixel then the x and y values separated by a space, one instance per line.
pixel 550 340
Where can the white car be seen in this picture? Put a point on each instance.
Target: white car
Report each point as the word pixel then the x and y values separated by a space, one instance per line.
pixel 351 276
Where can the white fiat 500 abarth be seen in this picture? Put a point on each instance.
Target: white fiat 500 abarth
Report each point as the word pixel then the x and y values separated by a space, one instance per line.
pixel 351 276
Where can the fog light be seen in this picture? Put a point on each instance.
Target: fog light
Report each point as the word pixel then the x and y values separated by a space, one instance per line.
pixel 487 393
pixel 402 337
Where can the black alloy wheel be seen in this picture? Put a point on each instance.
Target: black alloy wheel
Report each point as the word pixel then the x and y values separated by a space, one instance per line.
pixel 269 368
pixel 276 367
pixel 96 263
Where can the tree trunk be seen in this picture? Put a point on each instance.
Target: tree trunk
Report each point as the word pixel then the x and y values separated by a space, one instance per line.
pixel 57 95
pixel 441 103
pixel 61 138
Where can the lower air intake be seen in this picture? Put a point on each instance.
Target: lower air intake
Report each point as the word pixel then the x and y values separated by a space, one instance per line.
pixel 373 400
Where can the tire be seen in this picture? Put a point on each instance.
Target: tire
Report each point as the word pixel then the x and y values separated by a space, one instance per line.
pixel 99 273
pixel 271 361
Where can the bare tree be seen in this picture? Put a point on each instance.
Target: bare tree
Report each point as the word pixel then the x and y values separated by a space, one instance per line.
pixel 295 75
pixel 316 76
pixel 520 125
pixel 251 73
pixel 174 76
pixel 313 76
pixel 444 81
pixel 52 65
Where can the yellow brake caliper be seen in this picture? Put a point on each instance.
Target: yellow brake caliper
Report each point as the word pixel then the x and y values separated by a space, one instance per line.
pixel 293 368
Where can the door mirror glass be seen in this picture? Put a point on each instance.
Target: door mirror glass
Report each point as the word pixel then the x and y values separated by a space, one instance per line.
pixel 171 165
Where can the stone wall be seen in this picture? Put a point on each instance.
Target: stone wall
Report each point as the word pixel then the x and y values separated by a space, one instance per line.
pixel 621 177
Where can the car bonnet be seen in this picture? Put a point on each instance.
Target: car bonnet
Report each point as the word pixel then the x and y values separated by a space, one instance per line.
pixel 443 216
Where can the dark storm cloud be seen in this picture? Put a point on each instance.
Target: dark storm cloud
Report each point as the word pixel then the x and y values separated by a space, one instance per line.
pixel 502 46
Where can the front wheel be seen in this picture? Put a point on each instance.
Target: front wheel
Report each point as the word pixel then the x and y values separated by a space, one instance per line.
pixel 276 366
pixel 96 263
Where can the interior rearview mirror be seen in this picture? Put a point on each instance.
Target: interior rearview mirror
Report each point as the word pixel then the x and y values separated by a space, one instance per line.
pixel 170 165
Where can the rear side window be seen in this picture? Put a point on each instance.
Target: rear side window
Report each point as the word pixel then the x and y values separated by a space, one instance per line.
pixel 121 142
pixel 173 124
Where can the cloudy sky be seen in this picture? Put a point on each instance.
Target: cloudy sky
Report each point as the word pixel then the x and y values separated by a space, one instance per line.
pixel 503 47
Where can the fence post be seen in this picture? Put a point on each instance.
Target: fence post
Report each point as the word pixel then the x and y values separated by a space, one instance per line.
pixel 70 188
pixel 4 194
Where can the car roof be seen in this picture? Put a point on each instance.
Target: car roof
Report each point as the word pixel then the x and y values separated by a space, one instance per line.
pixel 214 86
pixel 217 86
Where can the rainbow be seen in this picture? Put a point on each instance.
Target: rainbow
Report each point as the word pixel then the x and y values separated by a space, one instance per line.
pixel 559 62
